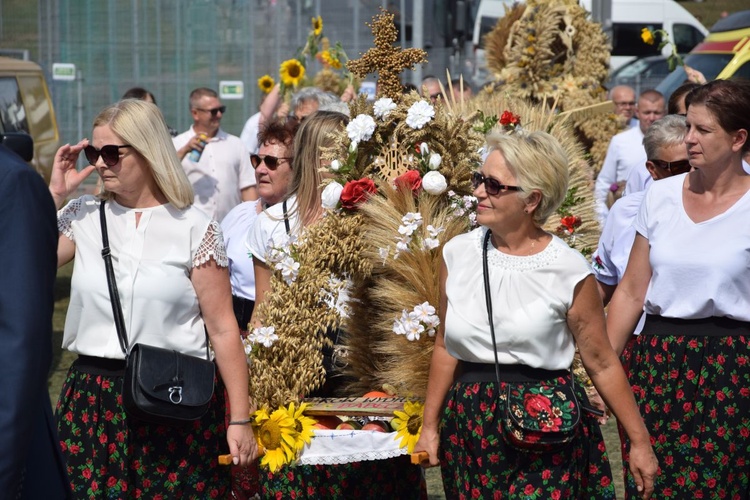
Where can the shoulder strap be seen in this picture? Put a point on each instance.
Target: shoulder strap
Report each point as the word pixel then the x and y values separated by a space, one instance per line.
pixel 286 218
pixel 488 301
pixel 114 296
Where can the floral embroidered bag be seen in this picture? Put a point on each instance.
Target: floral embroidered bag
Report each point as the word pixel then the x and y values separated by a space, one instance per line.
pixel 539 415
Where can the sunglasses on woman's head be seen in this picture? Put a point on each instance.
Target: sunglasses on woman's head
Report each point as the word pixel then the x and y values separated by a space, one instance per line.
pixel 110 154
pixel 272 162
pixel 492 186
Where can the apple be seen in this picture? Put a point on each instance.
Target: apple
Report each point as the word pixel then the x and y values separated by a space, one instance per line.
pixel 327 422
pixel 376 394
pixel 376 425
pixel 352 425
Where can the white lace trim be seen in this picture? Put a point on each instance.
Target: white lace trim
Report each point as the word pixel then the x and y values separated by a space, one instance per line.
pixel 66 215
pixel 212 245
pixel 330 447
pixel 501 260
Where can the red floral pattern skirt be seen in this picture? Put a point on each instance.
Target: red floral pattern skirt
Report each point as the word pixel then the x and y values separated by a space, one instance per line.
pixel 393 478
pixel 109 455
pixel 694 395
pixel 476 461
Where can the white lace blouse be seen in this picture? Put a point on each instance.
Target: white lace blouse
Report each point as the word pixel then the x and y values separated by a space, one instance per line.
pixel 152 264
pixel 530 301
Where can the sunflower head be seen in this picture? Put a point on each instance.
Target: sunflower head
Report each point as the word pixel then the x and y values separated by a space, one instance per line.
pixel 266 83
pixel 317 25
pixel 276 434
pixel 408 424
pixel 647 36
pixel 302 425
pixel 292 71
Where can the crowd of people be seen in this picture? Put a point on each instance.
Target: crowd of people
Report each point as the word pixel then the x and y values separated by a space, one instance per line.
pixel 192 218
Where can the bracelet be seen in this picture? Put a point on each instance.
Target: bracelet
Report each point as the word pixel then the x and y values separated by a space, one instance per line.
pixel 240 422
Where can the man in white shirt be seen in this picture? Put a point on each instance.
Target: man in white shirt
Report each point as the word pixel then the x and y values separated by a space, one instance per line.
pixel 623 97
pixel 222 175
pixel 626 150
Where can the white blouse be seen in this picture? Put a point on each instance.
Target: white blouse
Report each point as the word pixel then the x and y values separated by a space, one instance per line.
pixel 269 230
pixel 530 301
pixel 699 270
pixel 152 263
pixel 235 226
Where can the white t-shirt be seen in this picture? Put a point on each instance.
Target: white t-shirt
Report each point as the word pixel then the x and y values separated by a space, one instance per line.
pixel 224 169
pixel 616 241
pixel 269 230
pixel 699 270
pixel 249 135
pixel 235 227
pixel 625 152
pixel 152 264
pixel 530 301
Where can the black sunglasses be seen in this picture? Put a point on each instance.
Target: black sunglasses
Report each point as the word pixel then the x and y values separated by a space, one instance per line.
pixel 673 167
pixel 110 154
pixel 271 162
pixel 214 111
pixel 492 186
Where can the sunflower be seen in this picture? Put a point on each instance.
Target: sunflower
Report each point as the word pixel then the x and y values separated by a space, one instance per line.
pixel 292 72
pixel 266 83
pixel 276 434
pixel 408 423
pixel 317 25
pixel 647 36
pixel 331 60
pixel 302 424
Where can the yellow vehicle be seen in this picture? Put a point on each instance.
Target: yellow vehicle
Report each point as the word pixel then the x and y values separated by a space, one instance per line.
pixel 26 107
pixel 724 54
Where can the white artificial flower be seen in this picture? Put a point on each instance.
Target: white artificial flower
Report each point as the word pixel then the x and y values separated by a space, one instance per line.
pixel 434 231
pixel 435 161
pixel 331 195
pixel 289 269
pixel 264 335
pixel 423 311
pixel 430 243
pixel 383 252
pixel 423 149
pixel 434 182
pixel 360 129
pixel 383 107
pixel 410 222
pixel 420 113
pixel 413 328
pixel 335 166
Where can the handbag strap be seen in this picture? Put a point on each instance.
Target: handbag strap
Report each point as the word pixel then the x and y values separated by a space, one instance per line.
pixel 114 296
pixel 488 301
pixel 286 218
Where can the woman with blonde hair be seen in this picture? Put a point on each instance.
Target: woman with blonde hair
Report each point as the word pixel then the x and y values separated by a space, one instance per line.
pixel 169 266
pixel 501 363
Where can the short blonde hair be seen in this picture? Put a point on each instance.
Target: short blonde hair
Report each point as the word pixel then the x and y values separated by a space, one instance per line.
pixel 141 125
pixel 538 162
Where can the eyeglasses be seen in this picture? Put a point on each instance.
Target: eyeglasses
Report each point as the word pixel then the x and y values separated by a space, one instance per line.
pixel 214 111
pixel 492 186
pixel 623 104
pixel 673 167
pixel 110 154
pixel 271 162
pixel 435 97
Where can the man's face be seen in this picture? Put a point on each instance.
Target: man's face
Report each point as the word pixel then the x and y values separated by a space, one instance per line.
pixel 207 115
pixel 670 160
pixel 432 90
pixel 648 112
pixel 624 101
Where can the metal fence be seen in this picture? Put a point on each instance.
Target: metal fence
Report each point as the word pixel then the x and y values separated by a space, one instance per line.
pixel 173 46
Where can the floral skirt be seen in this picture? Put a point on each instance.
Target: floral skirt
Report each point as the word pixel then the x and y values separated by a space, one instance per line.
pixel 476 462
pixel 393 478
pixel 694 395
pixel 109 455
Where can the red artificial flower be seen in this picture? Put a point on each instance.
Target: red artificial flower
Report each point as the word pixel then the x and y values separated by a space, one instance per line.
pixel 357 192
pixel 571 222
pixel 509 119
pixel 411 180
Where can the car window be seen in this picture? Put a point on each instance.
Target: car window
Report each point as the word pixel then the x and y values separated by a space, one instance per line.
pixel 627 41
pixel 686 37
pixel 12 112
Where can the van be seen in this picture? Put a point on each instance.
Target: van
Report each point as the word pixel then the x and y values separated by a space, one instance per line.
pixel 628 18
pixel 725 53
pixel 26 107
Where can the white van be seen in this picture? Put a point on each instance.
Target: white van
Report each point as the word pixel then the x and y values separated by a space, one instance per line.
pixel 629 17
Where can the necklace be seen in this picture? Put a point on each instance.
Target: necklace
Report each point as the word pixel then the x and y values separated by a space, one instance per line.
pixel 517 254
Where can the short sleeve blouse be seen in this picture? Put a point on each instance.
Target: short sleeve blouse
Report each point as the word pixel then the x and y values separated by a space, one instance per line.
pixel 152 261
pixel 269 230
pixel 235 226
pixel 531 297
pixel 699 270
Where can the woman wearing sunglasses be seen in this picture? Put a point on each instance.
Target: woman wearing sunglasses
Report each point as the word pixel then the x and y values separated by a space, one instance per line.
pixel 542 300
pixel 688 271
pixel 170 269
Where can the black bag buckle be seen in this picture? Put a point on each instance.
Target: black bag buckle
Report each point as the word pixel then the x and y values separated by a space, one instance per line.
pixel 175 394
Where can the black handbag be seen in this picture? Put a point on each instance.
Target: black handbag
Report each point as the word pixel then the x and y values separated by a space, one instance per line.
pixel 537 415
pixel 160 386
